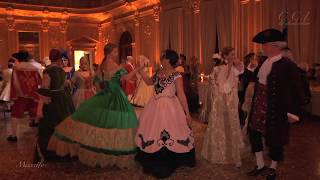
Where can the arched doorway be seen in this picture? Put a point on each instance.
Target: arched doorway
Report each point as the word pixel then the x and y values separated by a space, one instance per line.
pixel 125 46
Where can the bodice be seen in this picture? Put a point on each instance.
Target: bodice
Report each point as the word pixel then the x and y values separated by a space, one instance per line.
pixel 165 86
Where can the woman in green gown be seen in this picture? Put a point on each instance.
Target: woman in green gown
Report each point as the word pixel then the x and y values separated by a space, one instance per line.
pixel 58 105
pixel 101 132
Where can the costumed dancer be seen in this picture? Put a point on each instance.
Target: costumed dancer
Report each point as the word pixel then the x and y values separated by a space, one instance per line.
pixel 83 82
pixel 6 86
pixel 248 76
pixel 143 91
pixel 129 86
pixel 206 104
pixel 68 69
pixel 276 102
pixel 67 66
pixel 223 143
pixel 57 105
pixel 25 82
pixel 164 137
pixel 35 63
pixel 101 131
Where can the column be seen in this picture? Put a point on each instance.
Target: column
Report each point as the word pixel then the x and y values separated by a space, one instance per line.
pixel 44 51
pixel 13 44
pixel 63 28
pixel 136 45
pixel 99 47
pixel 156 17
pixel 197 29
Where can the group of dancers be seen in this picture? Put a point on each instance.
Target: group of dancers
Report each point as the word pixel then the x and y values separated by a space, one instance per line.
pixel 269 100
pixel 101 128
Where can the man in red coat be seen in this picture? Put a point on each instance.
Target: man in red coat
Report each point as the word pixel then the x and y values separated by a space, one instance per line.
pixel 129 86
pixel 276 102
pixel 26 80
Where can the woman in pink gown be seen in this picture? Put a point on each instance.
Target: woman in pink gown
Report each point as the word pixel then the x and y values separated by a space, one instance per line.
pixel 164 137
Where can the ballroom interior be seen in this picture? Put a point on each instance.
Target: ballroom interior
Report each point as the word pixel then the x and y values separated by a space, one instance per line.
pixel 195 28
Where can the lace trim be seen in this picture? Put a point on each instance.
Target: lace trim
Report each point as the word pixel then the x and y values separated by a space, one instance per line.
pixel 92 136
pixel 161 83
pixel 88 157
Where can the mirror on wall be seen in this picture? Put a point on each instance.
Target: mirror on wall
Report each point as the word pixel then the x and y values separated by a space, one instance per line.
pixel 30 41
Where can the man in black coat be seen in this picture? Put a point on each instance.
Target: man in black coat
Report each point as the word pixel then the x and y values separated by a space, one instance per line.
pixel 276 102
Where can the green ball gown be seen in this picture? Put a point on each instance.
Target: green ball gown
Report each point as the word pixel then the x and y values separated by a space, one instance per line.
pixel 101 132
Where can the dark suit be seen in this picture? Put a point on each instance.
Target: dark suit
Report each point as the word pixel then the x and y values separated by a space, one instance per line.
pixel 245 78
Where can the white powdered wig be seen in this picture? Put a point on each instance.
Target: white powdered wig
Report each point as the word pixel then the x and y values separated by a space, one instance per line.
pixel 279 44
pixel 144 60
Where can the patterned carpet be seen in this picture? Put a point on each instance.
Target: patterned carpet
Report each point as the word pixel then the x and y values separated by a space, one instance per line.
pixel 302 160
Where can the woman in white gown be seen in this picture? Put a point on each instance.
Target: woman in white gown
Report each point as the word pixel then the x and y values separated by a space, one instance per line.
pixel 82 80
pixel 143 92
pixel 6 86
pixel 223 139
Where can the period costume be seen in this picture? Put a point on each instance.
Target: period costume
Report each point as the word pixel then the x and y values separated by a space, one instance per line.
pixel 143 92
pixel 6 86
pixel 24 85
pixel 128 86
pixel 223 141
pixel 84 88
pixel 101 131
pixel 58 109
pixel 245 78
pixel 25 82
pixel 37 65
pixel 278 94
pixel 69 72
pixel 207 100
pixel 164 138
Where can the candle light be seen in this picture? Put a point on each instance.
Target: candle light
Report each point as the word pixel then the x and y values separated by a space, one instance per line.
pixel 201 77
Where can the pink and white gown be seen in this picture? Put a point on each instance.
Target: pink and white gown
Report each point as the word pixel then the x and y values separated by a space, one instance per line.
pixel 164 138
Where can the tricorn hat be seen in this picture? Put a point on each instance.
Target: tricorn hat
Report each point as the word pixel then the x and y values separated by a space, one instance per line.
pixel 21 55
pixel 268 35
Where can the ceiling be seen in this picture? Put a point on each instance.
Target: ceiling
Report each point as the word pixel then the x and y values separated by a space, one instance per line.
pixel 76 10
pixel 79 4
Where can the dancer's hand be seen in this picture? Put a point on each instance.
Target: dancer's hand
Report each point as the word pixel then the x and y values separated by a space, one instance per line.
pixel 292 118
